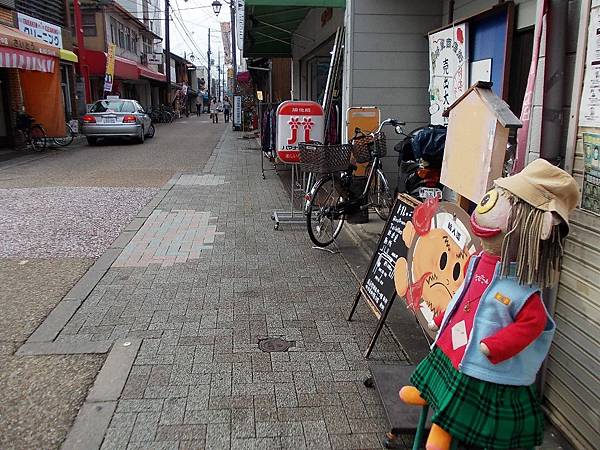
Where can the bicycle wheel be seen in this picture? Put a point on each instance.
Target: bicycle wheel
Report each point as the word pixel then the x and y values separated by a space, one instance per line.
pixel 37 137
pixel 324 217
pixel 64 141
pixel 380 196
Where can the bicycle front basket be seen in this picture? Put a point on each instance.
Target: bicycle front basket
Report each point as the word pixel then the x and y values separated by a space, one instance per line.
pixel 380 148
pixel 361 149
pixel 318 158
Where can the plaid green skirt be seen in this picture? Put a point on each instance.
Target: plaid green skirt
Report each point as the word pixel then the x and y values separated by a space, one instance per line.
pixel 487 415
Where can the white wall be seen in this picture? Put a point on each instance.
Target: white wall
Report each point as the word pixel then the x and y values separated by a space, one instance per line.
pixel 386 61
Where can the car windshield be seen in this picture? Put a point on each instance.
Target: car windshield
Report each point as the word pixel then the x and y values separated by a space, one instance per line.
pixel 112 106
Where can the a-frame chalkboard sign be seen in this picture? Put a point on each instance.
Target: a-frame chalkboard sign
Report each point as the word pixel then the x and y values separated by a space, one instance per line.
pixel 378 285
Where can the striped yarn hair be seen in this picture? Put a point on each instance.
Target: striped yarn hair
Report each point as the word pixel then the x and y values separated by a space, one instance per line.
pixel 537 260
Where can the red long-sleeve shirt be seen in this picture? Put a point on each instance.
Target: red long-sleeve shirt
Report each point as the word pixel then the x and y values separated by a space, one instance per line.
pixel 507 342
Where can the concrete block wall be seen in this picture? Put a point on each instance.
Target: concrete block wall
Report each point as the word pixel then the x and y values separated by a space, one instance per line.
pixel 387 62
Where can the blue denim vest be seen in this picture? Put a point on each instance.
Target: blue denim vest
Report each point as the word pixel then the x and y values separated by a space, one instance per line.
pixel 498 307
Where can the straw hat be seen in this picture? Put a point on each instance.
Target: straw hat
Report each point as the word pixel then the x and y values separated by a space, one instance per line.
pixel 545 187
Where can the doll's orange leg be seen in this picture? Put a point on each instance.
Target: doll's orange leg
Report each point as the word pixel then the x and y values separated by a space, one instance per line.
pixel 438 439
pixel 411 396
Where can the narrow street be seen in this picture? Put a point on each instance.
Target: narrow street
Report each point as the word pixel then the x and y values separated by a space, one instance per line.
pixel 185 278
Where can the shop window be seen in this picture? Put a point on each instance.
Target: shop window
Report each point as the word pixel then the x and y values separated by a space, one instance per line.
pixel 89 23
pixel 121 37
pixel 113 31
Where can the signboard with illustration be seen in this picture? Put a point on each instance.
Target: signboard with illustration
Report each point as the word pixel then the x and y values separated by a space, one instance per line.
pixel 439 243
pixel 298 122
pixel 448 69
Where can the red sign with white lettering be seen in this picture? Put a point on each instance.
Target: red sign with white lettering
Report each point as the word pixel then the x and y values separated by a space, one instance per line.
pixel 298 122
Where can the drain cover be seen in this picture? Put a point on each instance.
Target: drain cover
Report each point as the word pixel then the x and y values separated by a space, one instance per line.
pixel 274 345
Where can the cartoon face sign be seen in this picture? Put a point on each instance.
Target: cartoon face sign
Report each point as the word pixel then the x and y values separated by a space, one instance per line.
pixel 439 245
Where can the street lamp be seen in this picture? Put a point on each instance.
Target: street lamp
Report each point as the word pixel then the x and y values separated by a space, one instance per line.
pixel 216 6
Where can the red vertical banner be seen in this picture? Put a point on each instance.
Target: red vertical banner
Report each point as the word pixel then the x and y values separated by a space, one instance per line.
pixel 523 133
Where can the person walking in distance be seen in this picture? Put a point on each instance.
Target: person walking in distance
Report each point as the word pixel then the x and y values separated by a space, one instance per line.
pixel 199 104
pixel 214 113
pixel 226 109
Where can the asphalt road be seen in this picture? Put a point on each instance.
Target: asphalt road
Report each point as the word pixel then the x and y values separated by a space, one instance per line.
pixel 179 146
pixel 59 211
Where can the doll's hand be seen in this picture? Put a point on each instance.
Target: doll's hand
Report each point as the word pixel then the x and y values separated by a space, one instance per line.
pixel 484 349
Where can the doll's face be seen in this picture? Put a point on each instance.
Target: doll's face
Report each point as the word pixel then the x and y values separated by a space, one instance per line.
pixel 490 218
pixel 438 256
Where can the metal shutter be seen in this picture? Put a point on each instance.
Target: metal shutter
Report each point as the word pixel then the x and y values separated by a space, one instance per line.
pixel 572 391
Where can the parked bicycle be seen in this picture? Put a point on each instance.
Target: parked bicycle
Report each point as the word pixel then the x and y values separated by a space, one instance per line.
pixel 331 197
pixel 66 140
pixel 161 114
pixel 32 135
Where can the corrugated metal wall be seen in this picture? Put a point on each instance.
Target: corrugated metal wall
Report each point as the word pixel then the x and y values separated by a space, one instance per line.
pixel 572 391
pixel 49 10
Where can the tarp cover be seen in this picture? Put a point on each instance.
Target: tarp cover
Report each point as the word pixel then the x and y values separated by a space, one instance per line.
pixel 43 100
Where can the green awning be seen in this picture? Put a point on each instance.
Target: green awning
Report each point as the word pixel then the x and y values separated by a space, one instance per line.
pixel 270 24
pixel 312 3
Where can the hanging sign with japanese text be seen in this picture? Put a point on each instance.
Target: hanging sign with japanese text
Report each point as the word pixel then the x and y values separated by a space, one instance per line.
pixel 298 122
pixel 240 19
pixel 448 69
pixel 49 33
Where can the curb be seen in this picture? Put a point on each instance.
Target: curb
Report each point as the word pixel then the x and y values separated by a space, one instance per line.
pixel 95 414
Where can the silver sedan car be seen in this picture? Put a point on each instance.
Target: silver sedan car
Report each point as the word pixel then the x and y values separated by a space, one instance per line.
pixel 116 118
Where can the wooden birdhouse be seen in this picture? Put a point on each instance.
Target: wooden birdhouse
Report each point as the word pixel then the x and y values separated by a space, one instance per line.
pixel 478 129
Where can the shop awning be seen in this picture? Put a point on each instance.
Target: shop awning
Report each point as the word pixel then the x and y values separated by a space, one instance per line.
pixel 270 24
pixel 67 55
pixel 125 69
pixel 146 72
pixel 20 51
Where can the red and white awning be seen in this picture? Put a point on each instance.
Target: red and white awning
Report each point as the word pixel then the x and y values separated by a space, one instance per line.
pixel 20 59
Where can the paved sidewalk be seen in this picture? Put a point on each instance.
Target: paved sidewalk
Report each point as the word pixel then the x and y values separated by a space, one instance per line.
pixel 201 283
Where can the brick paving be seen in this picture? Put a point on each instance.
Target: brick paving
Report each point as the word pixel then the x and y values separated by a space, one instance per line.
pixel 199 379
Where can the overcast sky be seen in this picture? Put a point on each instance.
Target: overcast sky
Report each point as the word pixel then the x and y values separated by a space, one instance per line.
pixel 190 22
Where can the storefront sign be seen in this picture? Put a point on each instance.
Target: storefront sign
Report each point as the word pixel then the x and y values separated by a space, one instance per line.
pixel 154 58
pixel 448 69
pixel 589 115
pixel 237 111
pixel 590 198
pixel 298 122
pixel 240 21
pixel 110 68
pixel 44 31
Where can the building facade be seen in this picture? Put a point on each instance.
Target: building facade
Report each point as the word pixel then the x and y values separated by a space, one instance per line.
pixel 37 30
pixel 386 63
pixel 135 76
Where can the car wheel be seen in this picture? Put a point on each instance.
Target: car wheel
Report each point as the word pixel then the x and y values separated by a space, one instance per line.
pixel 142 135
pixel 92 140
pixel 151 131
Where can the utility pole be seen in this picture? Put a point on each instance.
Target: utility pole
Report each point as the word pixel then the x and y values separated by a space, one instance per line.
pixel 232 7
pixel 209 64
pixel 81 52
pixel 233 45
pixel 167 53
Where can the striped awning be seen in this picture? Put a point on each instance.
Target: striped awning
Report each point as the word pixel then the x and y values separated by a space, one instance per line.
pixel 20 59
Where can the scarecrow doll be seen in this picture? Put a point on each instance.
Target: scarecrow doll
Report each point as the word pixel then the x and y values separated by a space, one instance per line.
pixel 496 331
